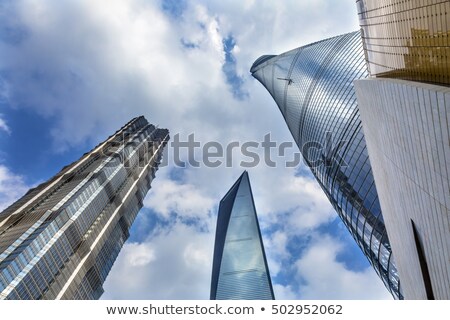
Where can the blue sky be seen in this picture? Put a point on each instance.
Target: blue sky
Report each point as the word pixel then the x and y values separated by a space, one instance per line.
pixel 73 72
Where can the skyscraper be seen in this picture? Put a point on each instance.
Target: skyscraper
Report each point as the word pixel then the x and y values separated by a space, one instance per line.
pixel 404 107
pixel 313 88
pixel 60 240
pixel 240 268
pixel 407 40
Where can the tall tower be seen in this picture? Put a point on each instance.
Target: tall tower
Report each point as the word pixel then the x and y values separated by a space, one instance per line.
pixel 60 240
pixel 240 268
pixel 313 88
pixel 404 107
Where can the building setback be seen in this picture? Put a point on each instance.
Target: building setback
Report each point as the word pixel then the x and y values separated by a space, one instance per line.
pixel 60 240
pixel 240 270
pixel 404 107
pixel 313 88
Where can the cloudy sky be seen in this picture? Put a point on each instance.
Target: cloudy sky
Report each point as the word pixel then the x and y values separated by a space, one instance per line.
pixel 73 72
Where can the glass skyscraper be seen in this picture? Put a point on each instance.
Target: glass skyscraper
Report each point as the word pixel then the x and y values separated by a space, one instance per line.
pixel 407 40
pixel 60 240
pixel 313 88
pixel 240 268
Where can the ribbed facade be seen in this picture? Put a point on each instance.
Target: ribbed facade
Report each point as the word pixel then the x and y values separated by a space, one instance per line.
pixel 406 129
pixel 408 39
pixel 60 240
pixel 240 270
pixel 313 87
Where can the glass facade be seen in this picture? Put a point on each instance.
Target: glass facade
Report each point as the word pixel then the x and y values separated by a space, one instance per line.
pixel 313 87
pixel 60 240
pixel 407 40
pixel 240 270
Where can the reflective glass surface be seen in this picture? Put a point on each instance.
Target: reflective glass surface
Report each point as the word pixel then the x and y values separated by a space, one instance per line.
pixel 407 40
pixel 61 239
pixel 240 268
pixel 313 87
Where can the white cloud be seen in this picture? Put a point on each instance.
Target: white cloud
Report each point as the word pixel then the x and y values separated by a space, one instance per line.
pixel 4 126
pixel 277 243
pixel 139 255
pixel 128 57
pixel 178 266
pixel 284 292
pixel 297 200
pixel 12 186
pixel 168 196
pixel 110 56
pixel 272 27
pixel 327 278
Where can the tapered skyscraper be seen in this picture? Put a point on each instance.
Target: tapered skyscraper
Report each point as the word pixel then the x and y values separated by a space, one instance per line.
pixel 60 240
pixel 240 268
pixel 313 87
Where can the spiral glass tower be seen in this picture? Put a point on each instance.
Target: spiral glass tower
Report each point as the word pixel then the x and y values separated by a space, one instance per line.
pixel 60 240
pixel 313 88
pixel 240 270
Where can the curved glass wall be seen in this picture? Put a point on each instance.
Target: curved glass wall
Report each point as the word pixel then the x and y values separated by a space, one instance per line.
pixel 313 87
pixel 60 240
pixel 240 270
pixel 407 40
